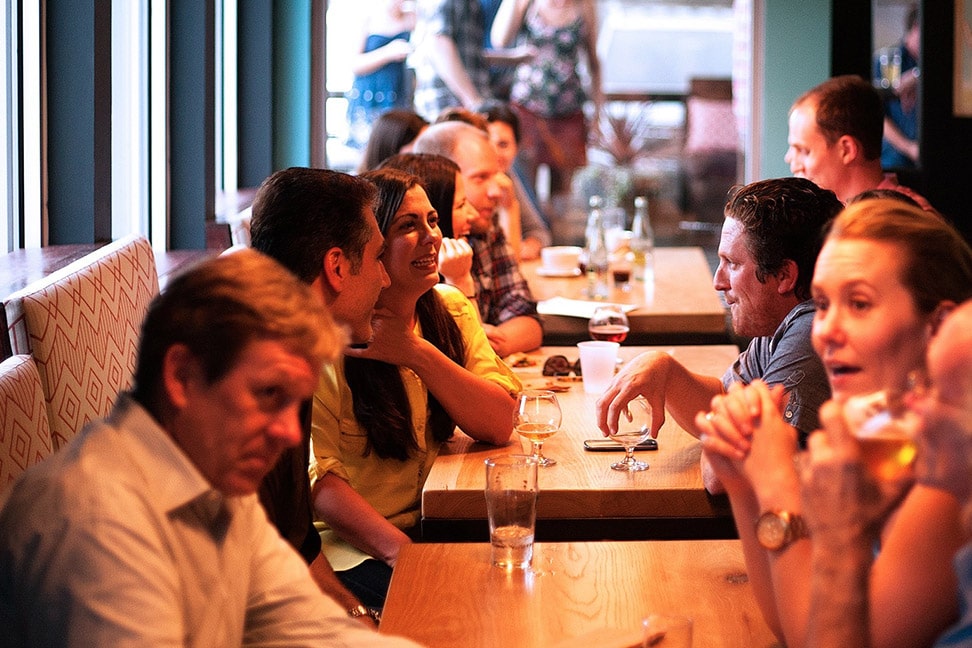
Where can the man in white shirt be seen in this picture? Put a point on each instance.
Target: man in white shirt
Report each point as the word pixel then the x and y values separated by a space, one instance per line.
pixel 146 529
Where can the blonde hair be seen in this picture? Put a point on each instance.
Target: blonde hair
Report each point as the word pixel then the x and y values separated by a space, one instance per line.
pixel 938 261
pixel 220 305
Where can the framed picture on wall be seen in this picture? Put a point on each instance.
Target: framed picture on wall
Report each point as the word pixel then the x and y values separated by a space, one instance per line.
pixel 962 84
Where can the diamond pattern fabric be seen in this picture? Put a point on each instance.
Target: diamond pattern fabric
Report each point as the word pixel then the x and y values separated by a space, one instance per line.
pixel 25 433
pixel 81 325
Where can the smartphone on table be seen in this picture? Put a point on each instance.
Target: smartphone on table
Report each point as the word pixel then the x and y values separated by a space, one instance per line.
pixel 607 445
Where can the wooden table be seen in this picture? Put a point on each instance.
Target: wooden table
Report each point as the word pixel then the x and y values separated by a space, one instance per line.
pixel 579 594
pixel 685 307
pixel 581 498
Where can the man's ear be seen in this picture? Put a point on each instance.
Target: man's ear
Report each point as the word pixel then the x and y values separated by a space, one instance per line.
pixel 787 276
pixel 849 149
pixel 941 312
pixel 178 368
pixel 337 268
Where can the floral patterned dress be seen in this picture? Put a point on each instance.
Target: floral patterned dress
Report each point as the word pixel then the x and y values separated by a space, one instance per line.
pixel 549 85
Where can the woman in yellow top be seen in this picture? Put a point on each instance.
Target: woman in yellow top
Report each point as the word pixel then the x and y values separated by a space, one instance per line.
pixel 380 419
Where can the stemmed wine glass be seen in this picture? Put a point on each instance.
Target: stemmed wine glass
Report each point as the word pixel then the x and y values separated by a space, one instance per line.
pixel 634 426
pixel 609 323
pixel 537 417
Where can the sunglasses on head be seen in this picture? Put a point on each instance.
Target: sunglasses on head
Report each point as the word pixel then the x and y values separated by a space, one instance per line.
pixel 559 365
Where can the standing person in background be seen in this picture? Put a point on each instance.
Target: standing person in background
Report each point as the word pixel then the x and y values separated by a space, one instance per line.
pixel 504 134
pixel 547 91
pixel 897 73
pixel 381 80
pixel 450 65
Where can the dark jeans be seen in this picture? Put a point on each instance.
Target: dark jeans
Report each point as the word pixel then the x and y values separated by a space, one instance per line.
pixel 368 581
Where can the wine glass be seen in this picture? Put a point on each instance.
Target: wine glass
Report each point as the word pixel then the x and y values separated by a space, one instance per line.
pixel 634 426
pixel 537 417
pixel 609 323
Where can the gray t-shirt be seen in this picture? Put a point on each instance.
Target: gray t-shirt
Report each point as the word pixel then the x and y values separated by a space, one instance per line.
pixel 787 358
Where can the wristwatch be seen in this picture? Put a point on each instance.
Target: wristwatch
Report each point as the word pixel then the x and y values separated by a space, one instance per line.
pixel 358 611
pixel 776 530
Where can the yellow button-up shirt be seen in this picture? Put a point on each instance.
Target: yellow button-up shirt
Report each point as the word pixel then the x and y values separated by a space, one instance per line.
pixel 392 487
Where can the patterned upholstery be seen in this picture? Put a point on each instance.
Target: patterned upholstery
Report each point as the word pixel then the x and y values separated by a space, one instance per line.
pixel 25 433
pixel 81 325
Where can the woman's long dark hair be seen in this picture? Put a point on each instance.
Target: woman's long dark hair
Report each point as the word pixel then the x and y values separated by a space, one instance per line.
pixel 380 402
pixel 438 175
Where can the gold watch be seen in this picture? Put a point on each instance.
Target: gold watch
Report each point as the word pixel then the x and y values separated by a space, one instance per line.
pixel 776 530
pixel 358 611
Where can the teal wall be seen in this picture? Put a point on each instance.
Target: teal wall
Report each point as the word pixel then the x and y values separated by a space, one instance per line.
pixel 291 83
pixel 796 58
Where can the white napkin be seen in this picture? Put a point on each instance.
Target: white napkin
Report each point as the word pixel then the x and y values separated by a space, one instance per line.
pixel 576 307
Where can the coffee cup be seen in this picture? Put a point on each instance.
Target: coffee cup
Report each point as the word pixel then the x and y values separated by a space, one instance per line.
pixel 560 259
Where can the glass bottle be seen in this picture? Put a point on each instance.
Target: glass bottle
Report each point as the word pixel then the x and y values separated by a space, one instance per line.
pixel 642 243
pixel 596 252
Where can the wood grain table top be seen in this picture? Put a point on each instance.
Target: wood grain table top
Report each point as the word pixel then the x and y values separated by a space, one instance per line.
pixel 582 484
pixel 684 301
pixel 578 594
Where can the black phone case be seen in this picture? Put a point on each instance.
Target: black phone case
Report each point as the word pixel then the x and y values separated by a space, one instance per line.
pixel 607 445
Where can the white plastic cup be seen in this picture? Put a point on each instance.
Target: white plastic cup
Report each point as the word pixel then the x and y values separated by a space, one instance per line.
pixel 597 360
pixel 511 506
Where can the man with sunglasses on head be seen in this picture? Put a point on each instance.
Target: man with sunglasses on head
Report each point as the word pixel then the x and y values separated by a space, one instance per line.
pixel 772 233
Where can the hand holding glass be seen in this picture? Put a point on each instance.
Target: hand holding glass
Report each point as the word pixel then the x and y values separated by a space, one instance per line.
pixel 885 431
pixel 537 417
pixel 634 426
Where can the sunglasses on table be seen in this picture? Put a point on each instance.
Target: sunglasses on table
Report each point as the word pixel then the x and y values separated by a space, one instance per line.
pixel 559 365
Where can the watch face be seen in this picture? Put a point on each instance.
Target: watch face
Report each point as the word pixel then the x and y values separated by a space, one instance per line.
pixel 771 530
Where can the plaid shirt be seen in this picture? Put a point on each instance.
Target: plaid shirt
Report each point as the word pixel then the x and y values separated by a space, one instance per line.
pixel 502 291
pixel 462 21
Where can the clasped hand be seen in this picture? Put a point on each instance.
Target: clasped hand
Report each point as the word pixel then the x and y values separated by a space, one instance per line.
pixel 745 437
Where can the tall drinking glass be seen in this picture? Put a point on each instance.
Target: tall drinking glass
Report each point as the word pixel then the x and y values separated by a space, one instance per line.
pixel 511 506
pixel 537 417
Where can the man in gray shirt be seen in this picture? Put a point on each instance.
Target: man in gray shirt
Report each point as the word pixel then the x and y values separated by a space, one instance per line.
pixel 771 236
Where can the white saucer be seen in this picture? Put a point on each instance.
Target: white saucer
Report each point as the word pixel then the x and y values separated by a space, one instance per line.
pixel 551 273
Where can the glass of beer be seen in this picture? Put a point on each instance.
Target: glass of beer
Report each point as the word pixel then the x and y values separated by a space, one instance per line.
pixel 885 430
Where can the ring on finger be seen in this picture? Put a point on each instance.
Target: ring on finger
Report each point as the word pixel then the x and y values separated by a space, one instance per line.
pixel 710 417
